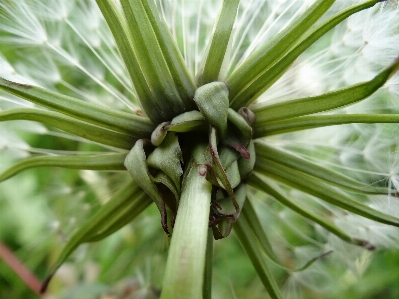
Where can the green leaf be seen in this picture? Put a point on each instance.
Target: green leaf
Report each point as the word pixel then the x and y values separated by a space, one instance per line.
pixel 327 101
pixel 118 121
pixel 255 254
pixel 71 125
pixel 216 51
pixel 144 30
pixel 174 60
pixel 320 189
pixel 108 162
pixel 251 224
pixel 123 216
pixel 248 212
pixel 312 169
pixel 128 196
pixel 119 30
pixel 317 121
pixel 212 100
pixel 260 61
pixel 262 184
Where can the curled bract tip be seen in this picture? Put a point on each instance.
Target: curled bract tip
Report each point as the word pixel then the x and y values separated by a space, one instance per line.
pixel 45 284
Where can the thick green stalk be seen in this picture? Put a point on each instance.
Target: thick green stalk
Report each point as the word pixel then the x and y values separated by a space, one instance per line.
pixel 185 267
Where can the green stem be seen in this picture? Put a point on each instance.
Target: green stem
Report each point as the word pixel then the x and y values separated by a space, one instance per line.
pixel 185 267
pixel 207 288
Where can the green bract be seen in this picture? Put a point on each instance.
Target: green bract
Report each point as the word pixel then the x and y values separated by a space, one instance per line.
pixel 198 148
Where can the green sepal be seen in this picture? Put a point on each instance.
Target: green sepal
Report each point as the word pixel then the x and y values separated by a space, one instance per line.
pixel 119 30
pixel 264 81
pixel 218 168
pixel 250 223
pixel 320 189
pixel 72 126
pixel 123 122
pixel 110 162
pixel 188 121
pixel 175 63
pixel 317 121
pixel 161 179
pixel 218 46
pixel 159 134
pixel 317 171
pixel 252 220
pixel 233 174
pixel 227 214
pixel 201 154
pixel 168 157
pixel 236 141
pixel 248 115
pixel 241 125
pixel 147 41
pixel 328 101
pixel 212 100
pixel 120 218
pixel 227 156
pixel 136 165
pixel 261 60
pixel 128 196
pixel 247 165
pixel 255 254
pixel 263 184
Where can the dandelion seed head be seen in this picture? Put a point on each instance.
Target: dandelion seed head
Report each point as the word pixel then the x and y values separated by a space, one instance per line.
pixel 71 49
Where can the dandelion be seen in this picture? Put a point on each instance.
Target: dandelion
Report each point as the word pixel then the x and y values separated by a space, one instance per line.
pixel 250 118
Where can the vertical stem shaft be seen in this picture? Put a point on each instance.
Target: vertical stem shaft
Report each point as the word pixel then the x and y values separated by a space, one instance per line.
pixel 185 267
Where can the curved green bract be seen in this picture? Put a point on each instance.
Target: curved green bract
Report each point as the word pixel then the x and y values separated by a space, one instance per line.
pixel 254 89
pixel 213 60
pixel 174 59
pixel 167 157
pixel 123 122
pixel 320 189
pixel 328 101
pixel 260 61
pixel 122 217
pixel 212 100
pixel 317 121
pixel 255 254
pixel 136 165
pixel 124 206
pixel 118 27
pixel 262 184
pixel 149 43
pixel 109 162
pixel 250 222
pixel 72 126
pixel 295 162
